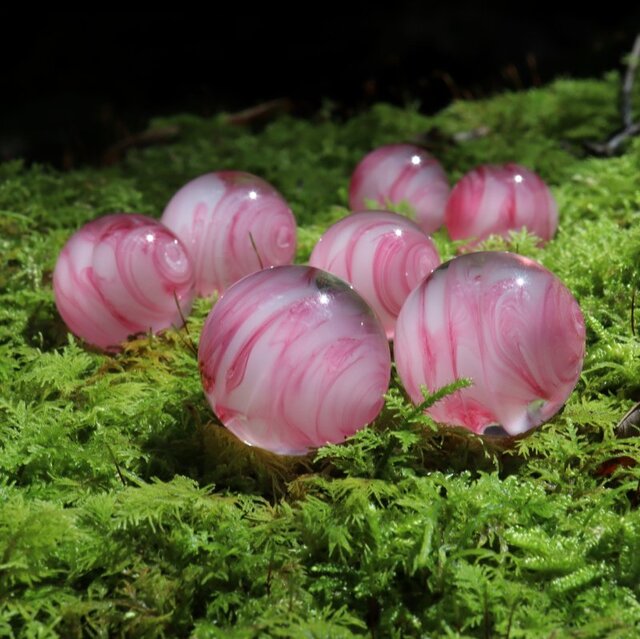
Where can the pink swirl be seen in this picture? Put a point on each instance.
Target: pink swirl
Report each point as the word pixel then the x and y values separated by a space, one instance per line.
pixel 118 276
pixel 502 320
pixel 498 199
pixel 291 358
pixel 383 255
pixel 233 223
pixel 402 172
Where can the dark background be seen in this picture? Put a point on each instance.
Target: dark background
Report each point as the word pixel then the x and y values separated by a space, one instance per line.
pixel 74 85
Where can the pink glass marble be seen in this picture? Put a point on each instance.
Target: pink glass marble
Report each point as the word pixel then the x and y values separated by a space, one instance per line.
pixel 382 255
pixel 233 224
pixel 292 358
pixel 402 172
pixel 497 199
pixel 505 322
pixel 120 275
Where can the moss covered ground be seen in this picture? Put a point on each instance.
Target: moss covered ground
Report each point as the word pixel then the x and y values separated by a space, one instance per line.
pixel 126 511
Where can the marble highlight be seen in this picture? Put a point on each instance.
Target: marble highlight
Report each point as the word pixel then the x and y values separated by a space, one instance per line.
pixel 495 199
pixel 402 172
pixel 382 255
pixel 120 275
pixel 502 320
pixel 232 223
pixel 292 358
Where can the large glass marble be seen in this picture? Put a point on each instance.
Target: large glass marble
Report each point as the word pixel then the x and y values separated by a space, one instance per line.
pixel 233 224
pixel 505 322
pixel 292 358
pixel 402 172
pixel 383 255
pixel 121 275
pixel 494 199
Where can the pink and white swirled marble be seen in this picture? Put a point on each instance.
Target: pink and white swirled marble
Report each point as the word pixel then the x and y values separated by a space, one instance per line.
pixel 495 199
pixel 118 276
pixel 502 320
pixel 233 224
pixel 382 255
pixel 292 358
pixel 402 172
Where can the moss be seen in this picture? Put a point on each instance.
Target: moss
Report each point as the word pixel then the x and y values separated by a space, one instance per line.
pixel 126 510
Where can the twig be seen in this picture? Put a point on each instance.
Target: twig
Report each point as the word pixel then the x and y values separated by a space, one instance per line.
pixel 262 111
pixel 629 425
pixel 449 83
pixel 627 86
pixel 533 70
pixel 145 138
pixel 255 248
pixel 190 343
pixel 629 127
pixel 511 73
pixel 115 461
pixel 617 139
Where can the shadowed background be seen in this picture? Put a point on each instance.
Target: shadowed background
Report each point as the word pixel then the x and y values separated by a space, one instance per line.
pixel 76 85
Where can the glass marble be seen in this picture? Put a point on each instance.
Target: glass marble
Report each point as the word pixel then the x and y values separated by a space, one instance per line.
pixel 505 322
pixel 494 199
pixel 402 172
pixel 382 255
pixel 233 224
pixel 121 275
pixel 292 358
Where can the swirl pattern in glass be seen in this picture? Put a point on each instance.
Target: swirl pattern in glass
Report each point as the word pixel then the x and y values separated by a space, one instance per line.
pixel 121 275
pixel 402 173
pixel 233 224
pixel 495 200
pixel 501 320
pixel 382 255
pixel 292 358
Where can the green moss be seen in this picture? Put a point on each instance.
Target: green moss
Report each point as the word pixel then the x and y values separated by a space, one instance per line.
pixel 126 510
